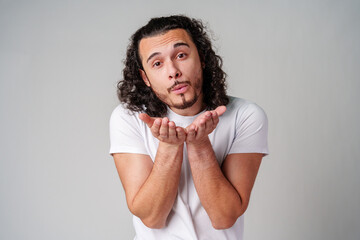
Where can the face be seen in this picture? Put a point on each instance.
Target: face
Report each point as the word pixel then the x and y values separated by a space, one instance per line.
pixel 172 68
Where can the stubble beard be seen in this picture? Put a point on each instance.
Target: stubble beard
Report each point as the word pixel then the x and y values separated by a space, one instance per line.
pixel 186 103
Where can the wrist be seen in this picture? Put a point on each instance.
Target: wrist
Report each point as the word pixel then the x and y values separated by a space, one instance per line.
pixel 170 147
pixel 201 155
pixel 201 145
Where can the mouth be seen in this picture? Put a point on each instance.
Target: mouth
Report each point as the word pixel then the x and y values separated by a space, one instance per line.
pixel 180 88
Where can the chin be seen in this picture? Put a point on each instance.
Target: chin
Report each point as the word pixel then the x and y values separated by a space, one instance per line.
pixel 186 102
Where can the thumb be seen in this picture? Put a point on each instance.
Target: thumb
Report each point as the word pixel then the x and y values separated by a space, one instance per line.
pixel 220 110
pixel 146 119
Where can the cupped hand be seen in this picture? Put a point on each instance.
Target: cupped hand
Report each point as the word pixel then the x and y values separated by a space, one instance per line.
pixel 203 125
pixel 164 130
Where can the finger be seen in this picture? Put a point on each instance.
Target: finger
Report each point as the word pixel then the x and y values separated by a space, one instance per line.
pixel 164 129
pixel 203 117
pixel 215 117
pixel 172 130
pixel 180 133
pixel 209 123
pixel 149 121
pixel 207 115
pixel 220 110
pixel 155 129
pixel 201 128
pixel 190 133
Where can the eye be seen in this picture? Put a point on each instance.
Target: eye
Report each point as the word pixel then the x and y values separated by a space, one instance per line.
pixel 156 64
pixel 181 55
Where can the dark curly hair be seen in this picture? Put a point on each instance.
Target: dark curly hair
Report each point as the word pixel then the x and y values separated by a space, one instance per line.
pixel 138 97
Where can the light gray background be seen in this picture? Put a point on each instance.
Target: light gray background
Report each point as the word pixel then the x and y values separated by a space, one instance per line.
pixel 59 65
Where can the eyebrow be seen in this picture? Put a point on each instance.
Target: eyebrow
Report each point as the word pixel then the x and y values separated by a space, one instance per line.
pixel 176 45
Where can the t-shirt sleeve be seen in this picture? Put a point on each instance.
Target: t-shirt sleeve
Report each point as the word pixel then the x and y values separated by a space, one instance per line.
pixel 125 133
pixel 251 131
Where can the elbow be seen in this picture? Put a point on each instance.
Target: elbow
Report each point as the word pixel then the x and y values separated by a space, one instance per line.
pixel 227 221
pixel 224 223
pixel 153 223
pixel 151 220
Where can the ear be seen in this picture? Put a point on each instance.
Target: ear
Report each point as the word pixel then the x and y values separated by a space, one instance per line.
pixel 144 77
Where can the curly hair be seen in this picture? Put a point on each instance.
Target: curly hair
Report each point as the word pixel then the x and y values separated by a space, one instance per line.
pixel 138 97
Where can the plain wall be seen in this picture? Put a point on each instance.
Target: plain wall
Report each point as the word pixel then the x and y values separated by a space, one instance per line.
pixel 59 65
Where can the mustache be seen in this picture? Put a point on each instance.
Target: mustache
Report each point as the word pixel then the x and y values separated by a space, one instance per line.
pixel 177 83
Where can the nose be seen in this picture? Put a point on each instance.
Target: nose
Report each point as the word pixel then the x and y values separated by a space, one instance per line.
pixel 174 71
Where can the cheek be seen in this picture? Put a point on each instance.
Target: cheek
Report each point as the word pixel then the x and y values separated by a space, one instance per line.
pixel 155 79
pixel 193 70
pixel 198 73
pixel 198 80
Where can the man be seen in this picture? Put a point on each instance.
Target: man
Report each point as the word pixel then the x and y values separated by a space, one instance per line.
pixel 186 153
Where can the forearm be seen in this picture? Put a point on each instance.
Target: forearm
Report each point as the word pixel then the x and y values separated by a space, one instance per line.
pixel 154 200
pixel 219 198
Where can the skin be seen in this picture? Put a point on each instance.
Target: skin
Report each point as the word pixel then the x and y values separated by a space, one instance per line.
pixel 151 187
pixel 171 60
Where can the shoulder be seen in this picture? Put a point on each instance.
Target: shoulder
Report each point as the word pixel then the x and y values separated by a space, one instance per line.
pixel 242 108
pixel 123 115
pixel 127 132
pixel 121 111
pixel 250 125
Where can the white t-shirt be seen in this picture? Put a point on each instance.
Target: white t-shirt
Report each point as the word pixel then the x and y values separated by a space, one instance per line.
pixel 241 129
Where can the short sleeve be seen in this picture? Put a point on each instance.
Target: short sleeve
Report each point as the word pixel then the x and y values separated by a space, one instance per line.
pixel 125 132
pixel 251 131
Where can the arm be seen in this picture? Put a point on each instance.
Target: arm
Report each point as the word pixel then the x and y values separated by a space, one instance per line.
pixel 224 193
pixel 151 188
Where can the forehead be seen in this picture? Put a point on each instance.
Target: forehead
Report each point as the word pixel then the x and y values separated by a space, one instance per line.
pixel 155 43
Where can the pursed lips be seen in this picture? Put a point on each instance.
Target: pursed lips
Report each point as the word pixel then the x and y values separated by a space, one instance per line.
pixel 178 85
